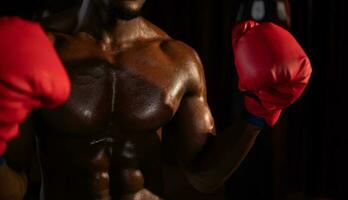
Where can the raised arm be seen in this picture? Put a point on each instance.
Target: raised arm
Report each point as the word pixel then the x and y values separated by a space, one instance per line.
pixel 208 158
pixel 31 76
pixel 273 72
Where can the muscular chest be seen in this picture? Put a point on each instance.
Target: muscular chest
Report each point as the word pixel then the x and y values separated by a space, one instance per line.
pixel 137 90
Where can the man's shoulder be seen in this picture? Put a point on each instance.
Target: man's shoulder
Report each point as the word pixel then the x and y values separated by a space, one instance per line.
pixel 180 52
pixel 174 48
pixel 184 58
pixel 62 23
pixel 187 61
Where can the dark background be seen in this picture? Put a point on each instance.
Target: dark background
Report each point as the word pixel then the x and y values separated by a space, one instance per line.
pixel 304 155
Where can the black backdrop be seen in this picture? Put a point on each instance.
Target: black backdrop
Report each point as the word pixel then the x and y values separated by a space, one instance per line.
pixel 307 158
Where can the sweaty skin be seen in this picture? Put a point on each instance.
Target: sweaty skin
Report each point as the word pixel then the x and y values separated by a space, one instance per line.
pixel 137 124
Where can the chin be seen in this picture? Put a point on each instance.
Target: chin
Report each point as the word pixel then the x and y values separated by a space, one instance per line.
pixel 130 4
pixel 127 9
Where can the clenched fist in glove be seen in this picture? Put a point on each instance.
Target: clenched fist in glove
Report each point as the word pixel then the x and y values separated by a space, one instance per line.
pixel 31 75
pixel 272 67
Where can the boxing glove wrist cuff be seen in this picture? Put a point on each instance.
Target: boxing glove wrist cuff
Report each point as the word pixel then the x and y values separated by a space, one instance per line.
pixel 254 120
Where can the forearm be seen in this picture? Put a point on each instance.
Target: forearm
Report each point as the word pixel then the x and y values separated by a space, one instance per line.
pixel 221 156
pixel 13 184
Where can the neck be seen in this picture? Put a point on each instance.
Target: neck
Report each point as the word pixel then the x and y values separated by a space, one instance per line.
pixel 103 25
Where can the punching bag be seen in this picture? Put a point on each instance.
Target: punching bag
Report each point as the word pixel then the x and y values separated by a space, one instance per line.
pixel 277 11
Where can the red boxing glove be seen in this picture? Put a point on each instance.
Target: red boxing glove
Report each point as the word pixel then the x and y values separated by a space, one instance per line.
pixel 31 74
pixel 271 66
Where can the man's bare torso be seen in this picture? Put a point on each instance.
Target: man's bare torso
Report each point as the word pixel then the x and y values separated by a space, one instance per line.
pixel 121 98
